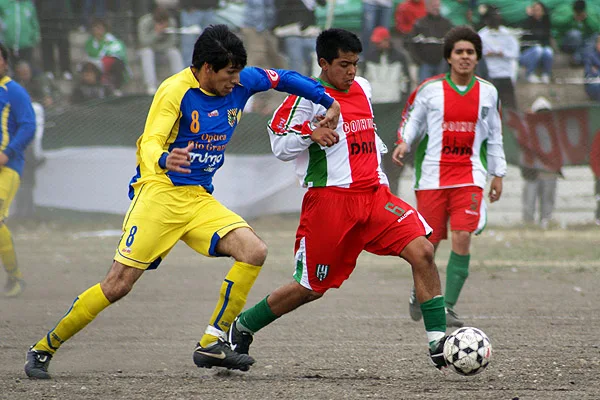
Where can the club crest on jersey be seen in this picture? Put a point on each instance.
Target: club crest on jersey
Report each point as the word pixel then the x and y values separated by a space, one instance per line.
pixel 484 112
pixel 232 116
pixel 322 271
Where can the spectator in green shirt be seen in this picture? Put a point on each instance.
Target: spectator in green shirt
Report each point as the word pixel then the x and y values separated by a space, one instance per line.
pixel 109 54
pixel 21 28
pixel 577 27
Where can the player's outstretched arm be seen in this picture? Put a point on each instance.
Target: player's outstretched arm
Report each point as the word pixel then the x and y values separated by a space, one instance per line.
pixel 178 159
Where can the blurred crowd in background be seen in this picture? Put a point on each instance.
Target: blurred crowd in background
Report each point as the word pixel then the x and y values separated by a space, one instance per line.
pixel 109 47
pixel 68 52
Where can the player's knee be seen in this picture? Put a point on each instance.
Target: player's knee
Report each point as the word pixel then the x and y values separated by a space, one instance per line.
pixel 304 295
pixel 256 253
pixel 115 289
pixel 311 295
pixel 419 253
pixel 427 252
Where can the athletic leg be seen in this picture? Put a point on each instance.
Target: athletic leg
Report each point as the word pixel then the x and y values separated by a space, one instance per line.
pixel 328 242
pixel 249 253
pixel 433 206
pixel 420 255
pixel 467 215
pixel 118 282
pixel 9 185
pixel 144 243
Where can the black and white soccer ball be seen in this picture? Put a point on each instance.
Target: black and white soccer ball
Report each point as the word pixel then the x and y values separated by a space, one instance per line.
pixel 468 351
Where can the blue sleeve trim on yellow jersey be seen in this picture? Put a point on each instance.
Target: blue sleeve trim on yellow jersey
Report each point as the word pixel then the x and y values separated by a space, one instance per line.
pixel 162 161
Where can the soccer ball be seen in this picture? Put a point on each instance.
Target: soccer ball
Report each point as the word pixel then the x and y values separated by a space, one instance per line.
pixel 468 351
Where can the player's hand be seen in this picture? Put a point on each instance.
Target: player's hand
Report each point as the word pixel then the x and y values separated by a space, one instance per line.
pixel 331 117
pixel 325 137
pixel 179 158
pixel 398 154
pixel 495 189
pixel 3 159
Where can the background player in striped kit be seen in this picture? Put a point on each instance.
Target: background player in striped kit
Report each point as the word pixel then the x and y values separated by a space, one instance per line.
pixel 348 207
pixel 455 122
pixel 191 120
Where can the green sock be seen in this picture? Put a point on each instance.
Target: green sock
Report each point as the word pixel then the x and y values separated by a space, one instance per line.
pixel 434 317
pixel 456 275
pixel 257 317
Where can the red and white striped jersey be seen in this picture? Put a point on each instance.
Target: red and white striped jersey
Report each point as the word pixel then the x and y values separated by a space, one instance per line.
pixel 354 162
pixel 458 132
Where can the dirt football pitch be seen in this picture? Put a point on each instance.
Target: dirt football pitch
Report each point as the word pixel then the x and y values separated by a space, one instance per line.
pixel 535 293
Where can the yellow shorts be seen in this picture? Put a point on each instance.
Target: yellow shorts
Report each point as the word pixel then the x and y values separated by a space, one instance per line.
pixel 160 215
pixel 9 184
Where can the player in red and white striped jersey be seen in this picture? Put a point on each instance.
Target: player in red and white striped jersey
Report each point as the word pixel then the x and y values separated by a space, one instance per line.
pixel 348 207
pixel 454 123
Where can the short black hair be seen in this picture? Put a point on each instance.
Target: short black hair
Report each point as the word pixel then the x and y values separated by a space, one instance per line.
pixel 491 14
pixel 579 6
pixel 4 51
pixel 459 33
pixel 332 41
pixel 217 46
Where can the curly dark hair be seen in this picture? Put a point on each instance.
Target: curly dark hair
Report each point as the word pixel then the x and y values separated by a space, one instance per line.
pixel 459 33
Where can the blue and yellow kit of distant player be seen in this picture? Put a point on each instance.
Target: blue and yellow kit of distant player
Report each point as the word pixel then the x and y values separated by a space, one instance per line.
pixel 17 123
pixel 168 206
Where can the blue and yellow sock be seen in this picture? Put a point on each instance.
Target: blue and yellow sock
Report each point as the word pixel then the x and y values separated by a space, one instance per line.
pixel 232 298
pixel 84 309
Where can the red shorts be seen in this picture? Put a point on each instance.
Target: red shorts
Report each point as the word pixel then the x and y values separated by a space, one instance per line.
pixel 463 206
pixel 336 224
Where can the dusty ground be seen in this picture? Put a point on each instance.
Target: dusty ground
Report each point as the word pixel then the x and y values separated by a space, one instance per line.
pixel 534 293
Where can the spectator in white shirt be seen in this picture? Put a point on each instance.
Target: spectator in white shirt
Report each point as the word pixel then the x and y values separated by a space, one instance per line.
pixel 500 52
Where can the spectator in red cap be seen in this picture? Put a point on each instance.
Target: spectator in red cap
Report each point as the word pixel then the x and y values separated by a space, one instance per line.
pixel 407 13
pixel 380 33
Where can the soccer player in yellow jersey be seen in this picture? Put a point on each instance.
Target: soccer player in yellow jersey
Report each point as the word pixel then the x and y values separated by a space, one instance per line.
pixel 18 128
pixel 190 122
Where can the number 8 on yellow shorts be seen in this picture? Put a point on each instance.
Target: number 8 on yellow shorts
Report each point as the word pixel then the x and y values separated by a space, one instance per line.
pixel 160 215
